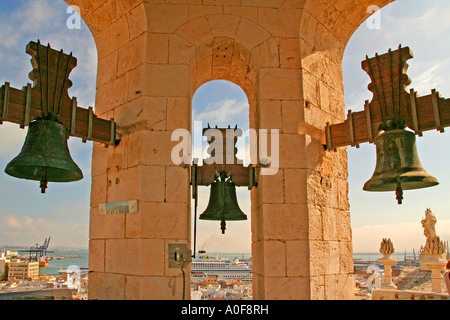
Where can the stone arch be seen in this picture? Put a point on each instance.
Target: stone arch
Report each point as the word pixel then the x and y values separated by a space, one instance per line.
pixel 286 55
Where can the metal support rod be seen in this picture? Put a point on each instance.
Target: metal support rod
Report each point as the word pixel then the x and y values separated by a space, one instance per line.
pixel 5 102
pixel 368 121
pixel 434 102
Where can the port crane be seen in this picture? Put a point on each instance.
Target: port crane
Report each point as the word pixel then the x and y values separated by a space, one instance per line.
pixel 38 251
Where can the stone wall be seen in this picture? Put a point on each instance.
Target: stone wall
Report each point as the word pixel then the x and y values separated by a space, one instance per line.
pixel 286 56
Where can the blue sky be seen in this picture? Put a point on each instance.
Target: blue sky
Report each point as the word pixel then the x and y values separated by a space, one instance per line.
pixel 27 217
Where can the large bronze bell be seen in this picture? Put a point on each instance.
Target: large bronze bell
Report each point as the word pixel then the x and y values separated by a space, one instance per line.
pixel 398 166
pixel 45 156
pixel 223 203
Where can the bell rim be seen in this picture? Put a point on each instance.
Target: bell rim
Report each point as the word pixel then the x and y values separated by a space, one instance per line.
pixel 75 175
pixel 390 184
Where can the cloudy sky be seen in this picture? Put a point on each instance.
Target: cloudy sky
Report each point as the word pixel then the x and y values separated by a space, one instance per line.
pixel 27 217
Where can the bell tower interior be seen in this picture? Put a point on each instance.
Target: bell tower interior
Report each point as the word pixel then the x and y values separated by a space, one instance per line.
pixel 221 103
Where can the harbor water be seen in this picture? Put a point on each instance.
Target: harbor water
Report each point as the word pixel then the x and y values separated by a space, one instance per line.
pixel 55 264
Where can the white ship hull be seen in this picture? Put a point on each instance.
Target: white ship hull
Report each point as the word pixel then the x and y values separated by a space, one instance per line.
pixel 220 269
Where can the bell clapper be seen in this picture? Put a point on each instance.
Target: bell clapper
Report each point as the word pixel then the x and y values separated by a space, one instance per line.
pixel 399 192
pixel 223 225
pixel 44 180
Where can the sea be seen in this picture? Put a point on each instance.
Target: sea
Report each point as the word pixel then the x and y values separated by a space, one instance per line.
pixel 56 265
pixel 373 256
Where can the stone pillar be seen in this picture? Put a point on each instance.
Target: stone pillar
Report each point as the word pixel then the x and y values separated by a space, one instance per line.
pixel 286 55
pixel 436 275
pixel 388 262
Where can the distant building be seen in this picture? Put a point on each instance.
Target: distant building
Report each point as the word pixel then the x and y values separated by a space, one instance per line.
pixel 3 268
pixel 20 270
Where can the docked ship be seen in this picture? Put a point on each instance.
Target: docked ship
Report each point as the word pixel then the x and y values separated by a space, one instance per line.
pixel 220 269
pixel 43 261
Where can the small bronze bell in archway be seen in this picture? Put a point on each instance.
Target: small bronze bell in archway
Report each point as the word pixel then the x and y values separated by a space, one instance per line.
pixel 398 166
pixel 223 203
pixel 45 156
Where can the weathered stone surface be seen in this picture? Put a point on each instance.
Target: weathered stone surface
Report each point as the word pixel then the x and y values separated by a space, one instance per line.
pixel 286 56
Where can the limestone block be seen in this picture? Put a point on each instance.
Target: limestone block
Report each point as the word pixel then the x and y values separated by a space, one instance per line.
pixel 324 257
pixel 112 94
pixel 107 69
pixel 157 48
pixel 102 15
pixel 178 113
pixel 150 148
pixel 317 288
pixel 290 53
pixel 262 3
pixel 180 50
pixel 165 18
pixel 137 21
pixel 142 253
pixel 286 288
pixel 167 80
pixel 297 258
pixel 196 31
pixel 270 114
pixel 106 286
pixel 112 38
pixel 204 70
pixel 316 222
pixel 292 113
pixel 222 2
pixel 141 182
pixel 142 113
pixel 308 27
pixel 250 34
pixel 280 22
pixel 97 255
pixel 196 11
pixel 295 185
pixel 271 188
pixel 283 84
pixel 106 227
pixel 223 25
pixel 177 184
pixel 346 256
pixel 292 151
pixel 99 190
pixel 155 288
pixel 250 13
pixel 284 221
pixel 339 287
pixel 159 220
pixel 267 53
pixel 132 54
pixel 300 4
pixel 275 266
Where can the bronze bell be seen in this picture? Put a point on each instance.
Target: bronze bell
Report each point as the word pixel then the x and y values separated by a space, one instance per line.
pixel 223 203
pixel 45 156
pixel 398 166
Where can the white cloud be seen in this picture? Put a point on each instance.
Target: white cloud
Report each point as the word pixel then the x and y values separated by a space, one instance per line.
pixel 405 236
pixel 27 230
pixel 230 111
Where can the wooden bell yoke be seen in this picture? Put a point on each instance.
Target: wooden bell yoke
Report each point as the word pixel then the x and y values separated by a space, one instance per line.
pixel 390 101
pixel 49 94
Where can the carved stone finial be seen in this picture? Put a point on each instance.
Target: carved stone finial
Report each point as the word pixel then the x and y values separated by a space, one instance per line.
pixel 434 246
pixel 386 248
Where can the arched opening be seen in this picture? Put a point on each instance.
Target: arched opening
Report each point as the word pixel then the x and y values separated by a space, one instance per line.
pixel 224 104
pixel 27 217
pixel 422 27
